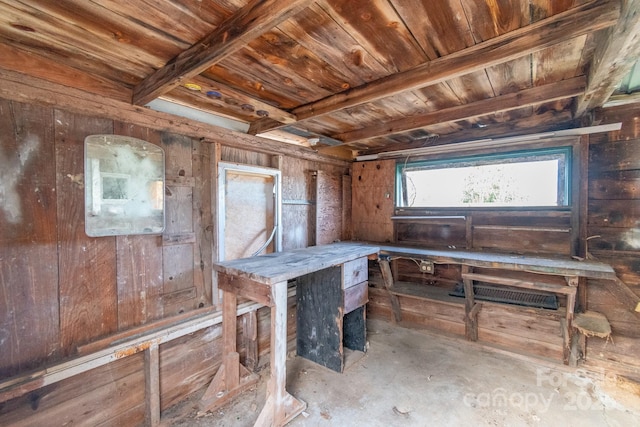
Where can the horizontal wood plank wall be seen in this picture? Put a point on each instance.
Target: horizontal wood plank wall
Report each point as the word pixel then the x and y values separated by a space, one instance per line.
pixel 614 216
pixel 61 289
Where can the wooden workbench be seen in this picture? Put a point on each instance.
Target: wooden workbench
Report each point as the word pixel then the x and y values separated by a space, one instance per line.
pixel 264 279
pixel 571 270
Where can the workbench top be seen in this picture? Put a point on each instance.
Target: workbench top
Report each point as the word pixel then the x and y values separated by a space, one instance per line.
pixel 280 266
pixel 536 264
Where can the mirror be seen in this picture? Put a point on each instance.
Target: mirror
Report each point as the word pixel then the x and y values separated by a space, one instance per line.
pixel 123 186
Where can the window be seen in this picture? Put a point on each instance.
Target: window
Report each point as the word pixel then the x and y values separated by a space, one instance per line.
pixel 522 179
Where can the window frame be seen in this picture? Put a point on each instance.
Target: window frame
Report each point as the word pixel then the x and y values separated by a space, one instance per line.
pixel 564 176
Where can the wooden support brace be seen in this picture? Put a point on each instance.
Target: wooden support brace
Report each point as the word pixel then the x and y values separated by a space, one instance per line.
pixel 232 378
pixel 387 277
pixel 152 385
pixel 474 311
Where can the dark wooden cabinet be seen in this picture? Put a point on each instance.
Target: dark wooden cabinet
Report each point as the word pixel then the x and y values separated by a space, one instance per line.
pixel 331 313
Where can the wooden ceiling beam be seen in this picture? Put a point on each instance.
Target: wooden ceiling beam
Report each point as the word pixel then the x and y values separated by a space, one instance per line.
pixel 616 52
pixel 247 24
pixel 575 22
pixel 524 98
pixel 546 122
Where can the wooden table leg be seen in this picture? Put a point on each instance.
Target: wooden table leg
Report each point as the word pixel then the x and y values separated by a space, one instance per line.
pixel 387 277
pixel 568 324
pixel 280 407
pixel 471 308
pixel 232 378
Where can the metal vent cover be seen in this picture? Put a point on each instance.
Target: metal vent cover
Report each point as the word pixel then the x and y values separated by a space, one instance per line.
pixel 507 295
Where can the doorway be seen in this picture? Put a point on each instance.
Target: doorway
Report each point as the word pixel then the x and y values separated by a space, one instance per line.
pixel 249 211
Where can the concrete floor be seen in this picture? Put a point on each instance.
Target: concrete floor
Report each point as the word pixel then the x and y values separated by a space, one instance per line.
pixel 416 378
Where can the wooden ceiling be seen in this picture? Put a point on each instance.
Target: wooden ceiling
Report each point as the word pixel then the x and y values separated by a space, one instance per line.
pixel 371 75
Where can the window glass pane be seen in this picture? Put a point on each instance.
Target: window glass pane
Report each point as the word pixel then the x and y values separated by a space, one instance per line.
pixel 519 181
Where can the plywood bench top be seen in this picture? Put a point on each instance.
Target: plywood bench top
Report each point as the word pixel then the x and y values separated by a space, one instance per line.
pixel 280 266
pixel 544 265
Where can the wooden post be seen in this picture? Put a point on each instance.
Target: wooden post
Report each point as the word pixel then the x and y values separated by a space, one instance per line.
pixel 469 230
pixel 280 407
pixel 152 385
pixel 567 327
pixel 471 312
pixel 387 276
pixel 215 158
pixel 232 378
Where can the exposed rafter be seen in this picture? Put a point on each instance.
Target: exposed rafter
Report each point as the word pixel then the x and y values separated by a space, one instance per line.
pixel 550 92
pixel 614 57
pixel 546 122
pixel 581 20
pixel 248 23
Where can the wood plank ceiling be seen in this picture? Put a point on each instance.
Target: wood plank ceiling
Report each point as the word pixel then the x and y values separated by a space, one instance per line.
pixel 371 75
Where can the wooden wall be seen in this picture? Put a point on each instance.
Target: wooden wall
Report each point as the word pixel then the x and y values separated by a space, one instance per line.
pixel 606 206
pixel 60 289
pixel 614 231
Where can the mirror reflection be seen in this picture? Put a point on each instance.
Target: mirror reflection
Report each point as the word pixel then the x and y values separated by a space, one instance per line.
pixel 124 186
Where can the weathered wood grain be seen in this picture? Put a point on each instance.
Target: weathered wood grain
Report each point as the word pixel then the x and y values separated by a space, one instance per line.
pixel 319 318
pixel 435 235
pixel 615 58
pixel 203 222
pixel 563 266
pixel 234 33
pixel 22 88
pixel 550 92
pixel 94 397
pixel 139 262
pixel 614 156
pixel 517 239
pixel 281 266
pixel 317 31
pixel 29 327
pixel 391 43
pixel 623 213
pixel 328 208
pixel 87 266
pixel 373 200
pixel 617 185
pixel 579 21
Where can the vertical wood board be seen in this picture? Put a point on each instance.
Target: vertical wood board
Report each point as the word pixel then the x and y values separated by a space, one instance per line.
pixel 328 208
pixel 29 311
pixel 139 261
pixel 88 291
pixel 203 222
